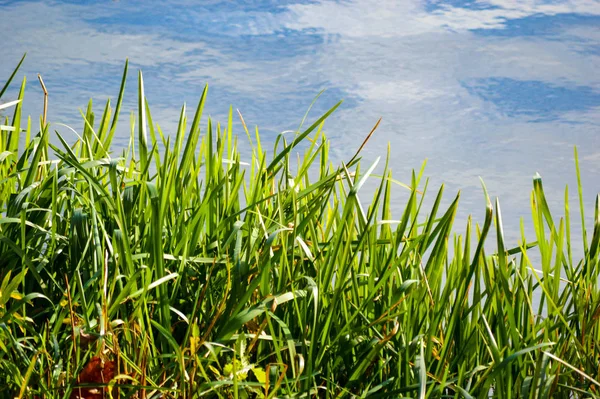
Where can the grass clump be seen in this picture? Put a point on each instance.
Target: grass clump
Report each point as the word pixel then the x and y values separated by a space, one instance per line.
pixel 185 272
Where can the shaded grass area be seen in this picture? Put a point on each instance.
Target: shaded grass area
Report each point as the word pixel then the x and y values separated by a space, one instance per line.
pixel 190 272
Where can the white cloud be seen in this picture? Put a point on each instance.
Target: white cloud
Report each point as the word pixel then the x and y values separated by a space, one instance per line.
pixel 530 7
pixel 359 19
pixel 68 40
pixel 589 116
pixel 406 18
pixel 503 10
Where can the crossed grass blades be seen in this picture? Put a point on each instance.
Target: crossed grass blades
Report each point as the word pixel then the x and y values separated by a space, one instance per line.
pixel 186 272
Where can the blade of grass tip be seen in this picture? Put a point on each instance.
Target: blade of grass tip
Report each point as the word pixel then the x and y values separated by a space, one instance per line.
pixel 192 141
pixel 142 134
pixel 113 125
pixel 229 132
pixel 486 224
pixel 150 126
pixel 500 236
pixel 364 143
pixel 245 128
pixel 12 75
pixel 102 131
pixel 91 139
pixel 259 149
pixel 581 207
pixel 395 181
pixel 45 114
pixel 88 123
pixel 68 150
pixel 568 226
pixel 364 178
pixel 363 217
pixel 13 140
pixel 309 108
pixel 420 174
pixel 28 132
pixel 543 203
pixel 9 104
pixel 180 133
pixel 431 220
pixel 300 137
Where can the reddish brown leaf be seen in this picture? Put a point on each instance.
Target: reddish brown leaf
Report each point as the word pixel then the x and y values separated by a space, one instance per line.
pixel 97 371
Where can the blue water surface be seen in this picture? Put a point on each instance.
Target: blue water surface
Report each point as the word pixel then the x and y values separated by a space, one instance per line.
pixel 498 89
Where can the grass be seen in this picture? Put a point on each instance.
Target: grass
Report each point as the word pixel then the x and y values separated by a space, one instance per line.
pixel 191 272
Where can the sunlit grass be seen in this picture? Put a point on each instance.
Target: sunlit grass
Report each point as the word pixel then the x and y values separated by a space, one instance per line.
pixel 197 273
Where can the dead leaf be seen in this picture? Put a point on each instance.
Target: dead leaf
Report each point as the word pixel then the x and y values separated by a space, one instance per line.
pixel 97 371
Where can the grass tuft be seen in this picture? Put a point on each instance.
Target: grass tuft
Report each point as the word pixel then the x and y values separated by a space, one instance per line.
pixel 193 272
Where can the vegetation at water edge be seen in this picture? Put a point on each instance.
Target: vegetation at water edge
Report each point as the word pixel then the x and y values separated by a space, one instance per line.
pixel 176 268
